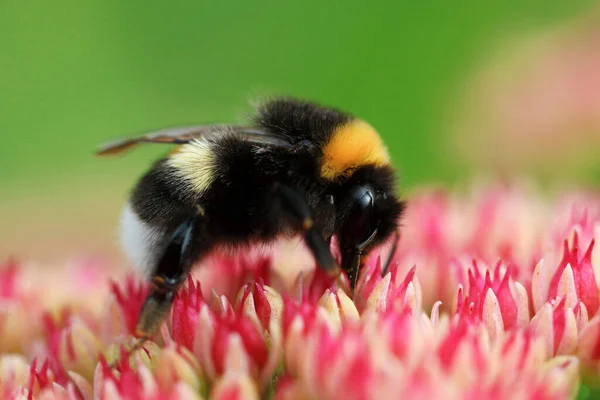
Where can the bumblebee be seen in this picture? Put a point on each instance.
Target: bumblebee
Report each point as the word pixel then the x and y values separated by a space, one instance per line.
pixel 298 168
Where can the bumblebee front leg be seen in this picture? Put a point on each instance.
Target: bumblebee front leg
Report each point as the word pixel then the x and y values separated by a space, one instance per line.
pixel 391 254
pixel 296 207
pixel 176 262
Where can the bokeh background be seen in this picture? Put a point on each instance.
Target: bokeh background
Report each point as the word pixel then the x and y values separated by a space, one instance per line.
pixel 455 88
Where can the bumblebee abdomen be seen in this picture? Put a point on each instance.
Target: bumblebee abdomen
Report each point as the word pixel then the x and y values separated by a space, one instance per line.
pixel 160 201
pixel 142 241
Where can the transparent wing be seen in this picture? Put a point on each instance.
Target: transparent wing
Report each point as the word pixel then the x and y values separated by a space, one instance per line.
pixel 185 134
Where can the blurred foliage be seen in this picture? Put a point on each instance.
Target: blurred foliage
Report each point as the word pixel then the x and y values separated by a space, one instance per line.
pixel 588 393
pixel 76 73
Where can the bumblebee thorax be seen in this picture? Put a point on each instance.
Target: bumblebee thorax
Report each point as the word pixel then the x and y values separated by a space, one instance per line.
pixel 350 146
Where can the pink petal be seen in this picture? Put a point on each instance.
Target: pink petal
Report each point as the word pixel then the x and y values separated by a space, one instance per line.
pixel 566 287
pixel 586 281
pixel 185 313
pixel 539 285
pixel 129 297
pixel 522 302
pixel 506 303
pixel 491 315
pixel 558 324
pixel 589 341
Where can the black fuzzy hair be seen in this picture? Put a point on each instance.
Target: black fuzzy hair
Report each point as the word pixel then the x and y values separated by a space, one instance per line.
pixel 300 119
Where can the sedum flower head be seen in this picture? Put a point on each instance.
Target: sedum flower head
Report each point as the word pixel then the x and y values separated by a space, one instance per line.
pixel 491 294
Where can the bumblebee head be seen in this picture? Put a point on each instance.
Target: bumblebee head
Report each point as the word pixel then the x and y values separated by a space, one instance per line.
pixel 368 215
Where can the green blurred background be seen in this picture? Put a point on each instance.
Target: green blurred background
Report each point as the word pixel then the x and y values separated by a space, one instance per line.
pixel 73 74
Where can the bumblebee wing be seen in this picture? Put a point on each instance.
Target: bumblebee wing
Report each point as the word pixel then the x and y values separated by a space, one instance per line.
pixel 185 134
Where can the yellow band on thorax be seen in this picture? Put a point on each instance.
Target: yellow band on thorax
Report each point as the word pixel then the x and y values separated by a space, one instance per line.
pixel 352 145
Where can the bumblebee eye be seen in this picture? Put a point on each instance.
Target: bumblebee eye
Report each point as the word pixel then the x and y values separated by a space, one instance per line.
pixel 361 226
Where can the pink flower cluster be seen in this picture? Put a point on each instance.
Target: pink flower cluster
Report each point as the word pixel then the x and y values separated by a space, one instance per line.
pixel 491 294
pixel 541 90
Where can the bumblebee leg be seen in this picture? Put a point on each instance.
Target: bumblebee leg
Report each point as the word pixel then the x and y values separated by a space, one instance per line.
pixel 353 260
pixel 172 268
pixel 296 207
pixel 391 255
pixel 355 269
